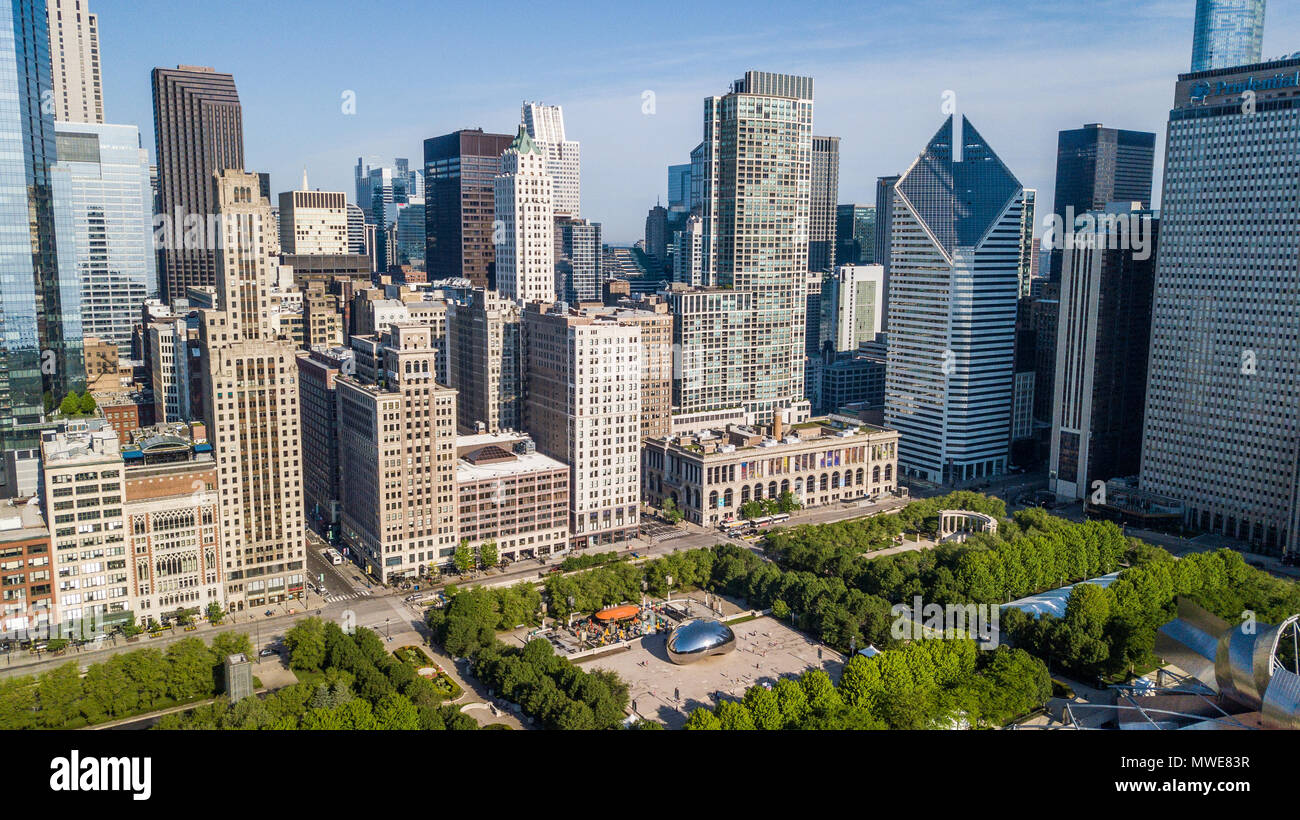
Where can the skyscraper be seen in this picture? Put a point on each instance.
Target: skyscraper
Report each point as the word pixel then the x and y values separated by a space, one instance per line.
pixel 855 235
pixel 852 301
pixel 755 238
pixel 313 222
pixel 821 212
pixel 459 169
pixel 485 361
pixel 1028 248
pixel 525 253
pixel 250 385
pixel 1095 166
pixel 578 260
pixel 545 124
pixel 1221 430
pixel 1227 33
pixel 656 235
pixel 78 91
pixel 40 314
pixel 679 187
pixel 954 261
pixel 584 409
pixel 103 211
pixel 884 228
pixel 412 472
pixel 198 125
pixel 1101 351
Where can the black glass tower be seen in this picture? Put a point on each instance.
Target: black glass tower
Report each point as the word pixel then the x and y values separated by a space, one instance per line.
pixel 1096 165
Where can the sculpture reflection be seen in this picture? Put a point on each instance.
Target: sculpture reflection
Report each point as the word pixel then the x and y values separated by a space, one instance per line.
pixel 698 639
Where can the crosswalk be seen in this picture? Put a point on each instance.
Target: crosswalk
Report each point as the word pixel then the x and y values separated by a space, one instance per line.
pixel 360 593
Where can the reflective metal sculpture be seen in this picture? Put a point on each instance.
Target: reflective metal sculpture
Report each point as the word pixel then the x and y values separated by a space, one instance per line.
pixel 1238 661
pixel 700 638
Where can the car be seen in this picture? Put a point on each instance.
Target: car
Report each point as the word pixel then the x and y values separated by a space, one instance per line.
pixel 269 613
pixel 266 652
pixel 555 569
pixel 636 555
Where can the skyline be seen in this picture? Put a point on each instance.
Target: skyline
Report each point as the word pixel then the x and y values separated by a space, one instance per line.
pixel 625 152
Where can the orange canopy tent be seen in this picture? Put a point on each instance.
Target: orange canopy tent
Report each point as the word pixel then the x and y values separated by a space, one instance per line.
pixel 618 613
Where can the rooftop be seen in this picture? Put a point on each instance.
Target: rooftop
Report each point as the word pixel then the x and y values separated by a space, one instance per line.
pixel 518 464
pixel 20 520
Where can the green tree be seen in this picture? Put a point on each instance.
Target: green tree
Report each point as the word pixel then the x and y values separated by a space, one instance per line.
pixel 226 644
pixel 463 558
pixel 671 513
pixel 702 718
pixel 488 554
pixel 306 643
pixel 59 691
pixel 87 404
pixel 189 670
pixel 395 712
pixel 71 404
pixel 215 613
pixel 733 716
pixel 764 708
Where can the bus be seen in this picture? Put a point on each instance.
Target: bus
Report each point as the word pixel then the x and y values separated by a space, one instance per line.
pixel 332 556
pixel 768 520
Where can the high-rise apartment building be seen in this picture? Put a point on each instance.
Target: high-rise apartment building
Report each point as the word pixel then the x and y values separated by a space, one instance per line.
pixel 103 214
pixel 1227 33
pixel 459 204
pixel 397 458
pixel 1222 435
pixel 250 386
pixel 485 361
pixel 584 409
pixel 78 90
pixel 579 260
pixel 40 314
pixel 954 263
pixel 1102 345
pixel 821 212
pixel 545 124
pixel 688 252
pixel 199 133
pixel 525 255
pixel 755 211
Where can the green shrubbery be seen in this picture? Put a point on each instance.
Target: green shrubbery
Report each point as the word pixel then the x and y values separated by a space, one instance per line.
pixel 929 684
pixel 125 685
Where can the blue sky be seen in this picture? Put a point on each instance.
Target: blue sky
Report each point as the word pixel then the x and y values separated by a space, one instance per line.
pixel 1021 72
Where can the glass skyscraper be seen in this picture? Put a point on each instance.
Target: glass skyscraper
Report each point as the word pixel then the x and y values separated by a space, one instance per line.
pixel 40 319
pixel 1221 431
pixel 953 282
pixel 103 208
pixel 1228 33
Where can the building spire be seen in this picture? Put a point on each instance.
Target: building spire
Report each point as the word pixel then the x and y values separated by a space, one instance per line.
pixel 304 178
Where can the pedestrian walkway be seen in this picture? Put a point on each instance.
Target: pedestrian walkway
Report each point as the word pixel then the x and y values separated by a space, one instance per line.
pixel 347 596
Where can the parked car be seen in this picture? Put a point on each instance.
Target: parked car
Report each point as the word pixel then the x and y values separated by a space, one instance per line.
pixel 266 652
